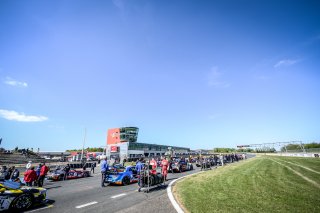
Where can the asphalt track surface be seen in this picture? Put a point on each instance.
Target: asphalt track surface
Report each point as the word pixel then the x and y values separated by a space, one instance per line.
pixel 86 195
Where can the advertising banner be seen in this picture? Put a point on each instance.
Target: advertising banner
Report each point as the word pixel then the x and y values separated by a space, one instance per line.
pixel 114 149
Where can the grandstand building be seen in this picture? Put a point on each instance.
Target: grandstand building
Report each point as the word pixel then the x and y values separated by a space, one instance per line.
pixel 122 143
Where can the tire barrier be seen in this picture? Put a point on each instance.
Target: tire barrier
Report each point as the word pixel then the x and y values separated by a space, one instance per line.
pixel 151 180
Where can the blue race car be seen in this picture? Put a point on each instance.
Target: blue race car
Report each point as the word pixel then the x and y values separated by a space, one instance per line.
pixel 121 175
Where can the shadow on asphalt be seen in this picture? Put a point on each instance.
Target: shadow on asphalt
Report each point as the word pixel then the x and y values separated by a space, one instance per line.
pixel 53 187
pixel 168 179
pixel 155 188
pixel 49 183
pixel 46 204
pixel 50 202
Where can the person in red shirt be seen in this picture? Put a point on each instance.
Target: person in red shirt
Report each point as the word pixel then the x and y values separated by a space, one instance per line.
pixel 164 168
pixel 30 176
pixel 153 164
pixel 43 172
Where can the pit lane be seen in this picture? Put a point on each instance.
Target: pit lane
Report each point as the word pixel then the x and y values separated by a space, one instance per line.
pixel 86 195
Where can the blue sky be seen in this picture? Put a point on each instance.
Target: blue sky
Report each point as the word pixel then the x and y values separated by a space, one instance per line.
pixel 198 74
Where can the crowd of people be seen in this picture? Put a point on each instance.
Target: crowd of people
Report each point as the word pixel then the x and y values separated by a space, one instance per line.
pixel 31 176
pixel 140 166
pixel 10 173
pixel 165 164
pixel 218 160
pixel 35 177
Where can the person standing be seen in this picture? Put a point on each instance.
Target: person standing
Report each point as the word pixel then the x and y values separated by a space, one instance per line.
pixel 104 169
pixel 66 170
pixel 15 174
pixel 153 164
pixel 84 168
pixel 38 169
pixel 171 162
pixel 92 167
pixel 164 169
pixel 43 172
pixel 221 159
pixel 215 157
pixel 30 176
pixel 3 173
pixel 9 173
pixel 38 174
pixel 203 164
pixel 124 162
pixel 139 167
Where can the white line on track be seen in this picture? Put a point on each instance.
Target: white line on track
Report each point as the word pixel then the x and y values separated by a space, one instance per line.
pixel 50 206
pixel 87 204
pixel 171 197
pixel 119 195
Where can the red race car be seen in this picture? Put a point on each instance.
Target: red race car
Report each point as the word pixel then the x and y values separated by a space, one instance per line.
pixel 72 174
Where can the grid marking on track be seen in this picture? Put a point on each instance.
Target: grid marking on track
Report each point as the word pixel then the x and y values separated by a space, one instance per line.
pixel 299 174
pixel 87 204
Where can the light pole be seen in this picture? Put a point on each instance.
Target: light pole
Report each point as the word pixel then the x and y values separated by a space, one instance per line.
pixel 84 140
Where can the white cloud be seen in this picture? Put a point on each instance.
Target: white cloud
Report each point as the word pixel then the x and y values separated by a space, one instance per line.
pixel 214 79
pixel 13 82
pixel 21 117
pixel 285 62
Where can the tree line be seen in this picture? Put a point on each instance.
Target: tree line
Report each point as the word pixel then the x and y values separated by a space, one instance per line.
pixel 312 145
pixel 268 149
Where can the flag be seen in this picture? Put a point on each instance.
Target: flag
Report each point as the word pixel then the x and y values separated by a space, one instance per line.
pixel 0 140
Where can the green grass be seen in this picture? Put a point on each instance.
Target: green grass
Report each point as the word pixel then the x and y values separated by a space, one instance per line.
pixel 312 163
pixel 300 163
pixel 255 185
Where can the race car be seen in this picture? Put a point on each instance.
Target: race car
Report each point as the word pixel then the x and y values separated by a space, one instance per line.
pixel 180 165
pixel 72 174
pixel 14 197
pixel 121 175
pixel 57 174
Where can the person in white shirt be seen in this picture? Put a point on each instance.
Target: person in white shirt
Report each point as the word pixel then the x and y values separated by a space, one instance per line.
pixel 221 159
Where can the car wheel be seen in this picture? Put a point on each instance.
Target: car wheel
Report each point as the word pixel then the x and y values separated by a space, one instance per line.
pixel 126 181
pixel 161 179
pixel 106 182
pixel 23 202
pixel 61 177
pixel 151 181
pixel 85 174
